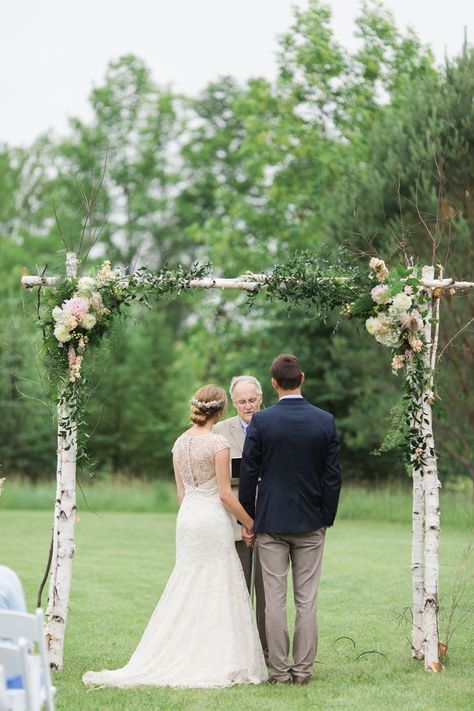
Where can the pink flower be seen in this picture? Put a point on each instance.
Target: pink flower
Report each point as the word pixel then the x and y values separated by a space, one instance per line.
pixel 408 290
pixel 71 356
pixel 398 362
pixel 380 294
pixel 75 362
pixel 77 307
pixel 411 321
pixel 415 343
pixel 96 301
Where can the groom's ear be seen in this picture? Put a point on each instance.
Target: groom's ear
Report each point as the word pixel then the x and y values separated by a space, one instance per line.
pixel 274 384
pixel 302 379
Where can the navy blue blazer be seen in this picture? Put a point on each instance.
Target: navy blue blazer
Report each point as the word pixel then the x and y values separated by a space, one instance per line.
pixel 291 456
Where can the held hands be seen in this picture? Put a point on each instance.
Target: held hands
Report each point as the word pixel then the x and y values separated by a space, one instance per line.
pixel 248 535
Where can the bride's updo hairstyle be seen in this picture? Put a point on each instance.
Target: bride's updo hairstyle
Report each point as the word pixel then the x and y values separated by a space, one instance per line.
pixel 206 402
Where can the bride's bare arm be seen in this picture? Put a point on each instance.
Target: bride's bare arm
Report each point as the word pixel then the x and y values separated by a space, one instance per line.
pixel 179 482
pixel 230 502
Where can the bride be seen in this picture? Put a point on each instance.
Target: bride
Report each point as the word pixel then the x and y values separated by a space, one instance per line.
pixel 202 632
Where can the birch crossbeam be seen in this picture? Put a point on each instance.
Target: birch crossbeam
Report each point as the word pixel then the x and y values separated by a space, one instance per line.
pixel 249 282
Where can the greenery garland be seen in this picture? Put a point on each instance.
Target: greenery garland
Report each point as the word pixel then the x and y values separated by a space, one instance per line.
pixel 393 303
pixel 79 313
pixel 395 307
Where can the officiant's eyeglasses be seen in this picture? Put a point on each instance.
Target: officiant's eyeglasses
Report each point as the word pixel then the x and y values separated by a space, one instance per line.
pixel 250 401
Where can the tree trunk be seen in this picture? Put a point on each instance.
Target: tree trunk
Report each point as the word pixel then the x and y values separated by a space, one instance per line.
pixel 64 523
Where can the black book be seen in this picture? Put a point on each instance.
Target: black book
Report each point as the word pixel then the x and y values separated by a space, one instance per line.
pixel 235 464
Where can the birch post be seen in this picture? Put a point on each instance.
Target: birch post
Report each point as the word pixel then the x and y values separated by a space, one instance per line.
pixel 417 562
pixel 418 506
pixel 431 486
pixel 64 523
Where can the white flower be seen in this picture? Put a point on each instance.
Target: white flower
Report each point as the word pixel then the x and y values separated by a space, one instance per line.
pixel 58 313
pixel 388 338
pixel 68 322
pixel 85 286
pixel 400 303
pixel 383 329
pixel 372 325
pixel 103 274
pixel 2 482
pixel 89 321
pixel 64 318
pixel 61 333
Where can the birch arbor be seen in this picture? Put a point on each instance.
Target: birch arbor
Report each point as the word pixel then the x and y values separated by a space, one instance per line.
pixel 88 311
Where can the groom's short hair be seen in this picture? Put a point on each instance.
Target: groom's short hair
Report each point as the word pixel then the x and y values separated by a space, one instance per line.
pixel 286 370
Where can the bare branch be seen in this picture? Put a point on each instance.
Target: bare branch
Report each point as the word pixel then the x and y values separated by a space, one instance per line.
pixel 466 325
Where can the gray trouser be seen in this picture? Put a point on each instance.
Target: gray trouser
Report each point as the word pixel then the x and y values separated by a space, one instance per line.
pixel 245 555
pixel 305 552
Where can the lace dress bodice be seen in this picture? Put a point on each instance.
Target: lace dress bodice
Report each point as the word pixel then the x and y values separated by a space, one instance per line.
pixel 194 457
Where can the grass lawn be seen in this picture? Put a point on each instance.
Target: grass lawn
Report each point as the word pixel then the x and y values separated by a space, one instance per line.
pixel 124 559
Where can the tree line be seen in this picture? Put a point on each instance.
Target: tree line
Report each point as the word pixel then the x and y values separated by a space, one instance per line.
pixel 371 149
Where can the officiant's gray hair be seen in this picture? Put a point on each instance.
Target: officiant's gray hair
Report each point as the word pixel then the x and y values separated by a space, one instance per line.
pixel 244 379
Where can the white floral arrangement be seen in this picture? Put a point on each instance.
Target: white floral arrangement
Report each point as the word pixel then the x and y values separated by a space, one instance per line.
pixel 400 306
pixel 79 314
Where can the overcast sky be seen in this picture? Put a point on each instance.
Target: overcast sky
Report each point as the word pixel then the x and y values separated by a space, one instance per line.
pixel 52 52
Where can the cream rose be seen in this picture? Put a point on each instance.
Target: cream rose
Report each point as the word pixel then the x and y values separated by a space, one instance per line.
pixel 400 304
pixel 89 321
pixel 62 334
pixel 85 286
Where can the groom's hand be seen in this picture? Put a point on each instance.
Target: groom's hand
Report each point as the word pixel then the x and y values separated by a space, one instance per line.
pixel 248 536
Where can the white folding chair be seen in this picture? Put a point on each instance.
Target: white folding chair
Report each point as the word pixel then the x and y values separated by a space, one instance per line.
pixel 14 664
pixel 13 626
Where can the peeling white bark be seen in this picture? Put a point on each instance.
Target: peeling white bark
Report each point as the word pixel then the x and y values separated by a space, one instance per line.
pixel 417 563
pixel 64 523
pixel 63 546
pixel 431 485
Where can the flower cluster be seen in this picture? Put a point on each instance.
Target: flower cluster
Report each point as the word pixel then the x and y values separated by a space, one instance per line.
pixel 207 406
pixel 79 314
pixel 397 306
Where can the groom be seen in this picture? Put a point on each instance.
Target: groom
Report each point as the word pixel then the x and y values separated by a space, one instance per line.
pixel 291 454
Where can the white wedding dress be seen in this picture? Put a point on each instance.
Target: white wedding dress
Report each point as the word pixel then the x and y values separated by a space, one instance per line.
pixel 202 632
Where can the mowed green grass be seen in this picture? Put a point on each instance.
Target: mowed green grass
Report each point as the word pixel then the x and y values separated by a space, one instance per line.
pixel 121 566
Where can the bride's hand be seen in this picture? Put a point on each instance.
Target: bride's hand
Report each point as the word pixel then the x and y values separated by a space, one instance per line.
pixel 248 536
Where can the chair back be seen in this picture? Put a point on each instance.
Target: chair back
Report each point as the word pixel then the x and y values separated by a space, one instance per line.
pixel 15 625
pixel 14 663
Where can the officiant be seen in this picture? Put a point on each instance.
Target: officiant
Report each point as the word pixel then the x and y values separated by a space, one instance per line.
pixel 246 395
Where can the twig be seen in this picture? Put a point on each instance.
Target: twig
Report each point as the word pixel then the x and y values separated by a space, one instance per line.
pixel 63 239
pixel 434 347
pixel 46 572
pixel 455 336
